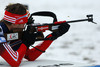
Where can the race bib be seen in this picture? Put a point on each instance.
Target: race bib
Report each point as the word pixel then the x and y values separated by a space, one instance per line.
pixel 12 36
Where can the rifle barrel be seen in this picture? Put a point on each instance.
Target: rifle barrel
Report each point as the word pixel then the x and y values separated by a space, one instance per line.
pixel 77 20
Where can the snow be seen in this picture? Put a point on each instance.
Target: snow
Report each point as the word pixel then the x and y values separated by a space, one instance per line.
pixel 81 43
pixel 47 63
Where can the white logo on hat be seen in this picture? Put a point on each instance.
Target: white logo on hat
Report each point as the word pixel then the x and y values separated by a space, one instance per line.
pixel 20 21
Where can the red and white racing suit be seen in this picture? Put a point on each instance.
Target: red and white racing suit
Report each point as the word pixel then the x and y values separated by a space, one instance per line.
pixel 14 51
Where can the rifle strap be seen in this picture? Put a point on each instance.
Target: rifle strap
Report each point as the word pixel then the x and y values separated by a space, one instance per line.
pixel 38 49
pixel 15 43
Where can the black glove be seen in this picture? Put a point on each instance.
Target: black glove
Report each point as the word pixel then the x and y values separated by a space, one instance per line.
pixel 62 29
pixel 28 38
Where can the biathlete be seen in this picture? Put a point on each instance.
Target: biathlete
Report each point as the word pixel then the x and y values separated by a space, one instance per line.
pixel 14 20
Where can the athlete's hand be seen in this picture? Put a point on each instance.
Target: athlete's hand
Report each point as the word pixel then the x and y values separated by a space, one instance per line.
pixel 28 38
pixel 63 28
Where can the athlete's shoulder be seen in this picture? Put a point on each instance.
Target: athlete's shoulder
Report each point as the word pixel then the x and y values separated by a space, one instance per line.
pixel 1 30
pixel 2 38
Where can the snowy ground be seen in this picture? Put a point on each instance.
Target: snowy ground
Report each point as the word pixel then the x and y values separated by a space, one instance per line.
pixel 82 42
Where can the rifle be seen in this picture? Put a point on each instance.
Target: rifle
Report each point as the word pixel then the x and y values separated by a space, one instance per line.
pixel 40 28
pixel 32 27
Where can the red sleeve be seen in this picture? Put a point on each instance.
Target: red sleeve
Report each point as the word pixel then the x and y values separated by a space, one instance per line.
pixel 34 53
pixel 13 57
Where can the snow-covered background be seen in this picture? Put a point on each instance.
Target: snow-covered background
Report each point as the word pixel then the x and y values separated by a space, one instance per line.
pixel 82 42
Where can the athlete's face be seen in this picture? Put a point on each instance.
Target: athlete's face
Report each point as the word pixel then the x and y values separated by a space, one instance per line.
pixel 18 27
